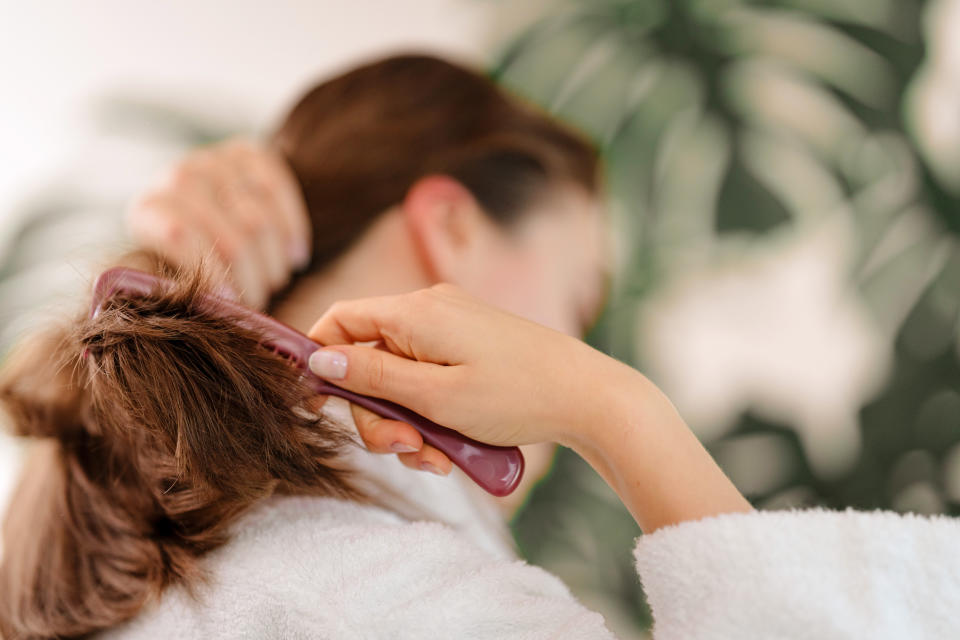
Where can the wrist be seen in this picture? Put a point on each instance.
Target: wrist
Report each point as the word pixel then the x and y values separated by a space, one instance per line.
pixel 611 397
pixel 636 440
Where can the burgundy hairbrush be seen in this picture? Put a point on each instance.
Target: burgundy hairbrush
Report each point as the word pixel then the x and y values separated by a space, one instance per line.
pixel 496 469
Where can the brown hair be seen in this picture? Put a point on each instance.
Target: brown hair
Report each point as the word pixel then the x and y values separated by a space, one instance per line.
pixel 172 424
pixel 176 422
pixel 358 142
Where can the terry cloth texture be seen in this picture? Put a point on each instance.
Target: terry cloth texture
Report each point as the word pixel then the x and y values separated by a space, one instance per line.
pixel 436 561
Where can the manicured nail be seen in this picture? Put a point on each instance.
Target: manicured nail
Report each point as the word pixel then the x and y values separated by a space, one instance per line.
pixel 432 468
pixel 329 364
pixel 403 447
pixel 299 255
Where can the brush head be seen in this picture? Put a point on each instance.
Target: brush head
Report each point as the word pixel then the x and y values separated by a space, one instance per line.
pixel 498 470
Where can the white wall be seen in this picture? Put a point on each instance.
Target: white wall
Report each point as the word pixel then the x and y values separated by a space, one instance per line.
pixel 58 57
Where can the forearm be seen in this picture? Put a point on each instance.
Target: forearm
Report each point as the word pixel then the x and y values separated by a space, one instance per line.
pixel 515 382
pixel 639 444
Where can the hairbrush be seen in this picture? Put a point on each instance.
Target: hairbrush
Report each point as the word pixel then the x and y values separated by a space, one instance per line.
pixel 496 469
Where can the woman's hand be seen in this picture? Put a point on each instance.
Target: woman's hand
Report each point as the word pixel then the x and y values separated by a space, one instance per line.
pixel 235 205
pixel 489 374
pixel 501 379
pixel 467 365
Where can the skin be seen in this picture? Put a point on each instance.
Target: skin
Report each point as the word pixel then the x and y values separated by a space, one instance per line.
pixel 469 323
pixel 236 207
pixel 503 379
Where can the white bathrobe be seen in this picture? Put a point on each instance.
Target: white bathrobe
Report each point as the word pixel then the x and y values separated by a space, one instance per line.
pixel 300 567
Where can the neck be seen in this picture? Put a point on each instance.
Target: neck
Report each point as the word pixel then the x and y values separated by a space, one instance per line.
pixel 383 261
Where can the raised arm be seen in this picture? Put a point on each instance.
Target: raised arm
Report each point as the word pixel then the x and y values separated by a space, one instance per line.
pixel 505 380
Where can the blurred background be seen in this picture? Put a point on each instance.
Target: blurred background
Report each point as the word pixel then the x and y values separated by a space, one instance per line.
pixel 784 179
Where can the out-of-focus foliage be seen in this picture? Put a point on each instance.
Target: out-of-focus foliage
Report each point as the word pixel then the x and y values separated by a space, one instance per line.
pixel 789 269
pixel 785 190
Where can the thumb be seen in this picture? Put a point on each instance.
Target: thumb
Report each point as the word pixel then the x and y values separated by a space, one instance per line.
pixel 379 373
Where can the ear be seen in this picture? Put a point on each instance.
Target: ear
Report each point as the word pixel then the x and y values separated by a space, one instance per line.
pixel 447 226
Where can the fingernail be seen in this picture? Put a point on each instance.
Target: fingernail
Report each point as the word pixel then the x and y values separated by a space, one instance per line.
pixel 328 364
pixel 432 468
pixel 299 255
pixel 403 447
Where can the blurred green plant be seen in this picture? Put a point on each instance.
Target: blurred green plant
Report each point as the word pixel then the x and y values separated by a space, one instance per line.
pixel 723 123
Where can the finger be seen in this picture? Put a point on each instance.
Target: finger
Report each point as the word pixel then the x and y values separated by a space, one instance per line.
pixel 259 245
pixel 256 209
pixel 190 189
pixel 390 319
pixel 216 189
pixel 158 223
pixel 272 173
pixel 416 325
pixel 348 321
pixel 279 268
pixel 203 185
pixel 382 435
pixel 245 272
pixel 428 459
pixel 416 385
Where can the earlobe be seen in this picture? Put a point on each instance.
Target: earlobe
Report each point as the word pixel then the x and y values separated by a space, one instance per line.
pixel 441 215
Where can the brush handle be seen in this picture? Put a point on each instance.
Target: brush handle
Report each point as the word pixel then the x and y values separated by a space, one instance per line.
pixel 496 469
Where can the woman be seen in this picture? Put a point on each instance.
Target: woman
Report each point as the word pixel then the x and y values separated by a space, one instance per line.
pixel 739 574
pixel 405 172
pixel 323 566
pixel 711 567
pixel 388 178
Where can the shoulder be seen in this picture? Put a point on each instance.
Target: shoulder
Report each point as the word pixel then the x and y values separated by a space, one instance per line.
pixel 835 573
pixel 380 575
pixel 345 570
